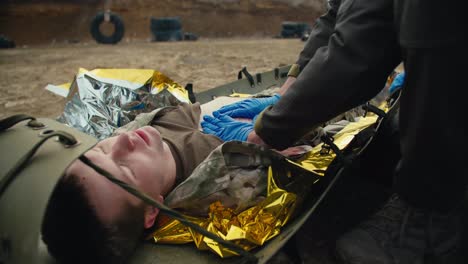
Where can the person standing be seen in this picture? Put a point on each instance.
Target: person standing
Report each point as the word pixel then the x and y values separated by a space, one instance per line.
pixel 421 221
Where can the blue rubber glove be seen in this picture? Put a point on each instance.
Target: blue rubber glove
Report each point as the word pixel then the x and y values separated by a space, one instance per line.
pixel 226 128
pixel 397 82
pixel 248 108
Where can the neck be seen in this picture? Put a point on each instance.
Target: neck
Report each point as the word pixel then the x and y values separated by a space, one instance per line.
pixel 170 178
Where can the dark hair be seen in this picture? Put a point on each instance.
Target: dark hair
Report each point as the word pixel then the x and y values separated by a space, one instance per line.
pixel 74 234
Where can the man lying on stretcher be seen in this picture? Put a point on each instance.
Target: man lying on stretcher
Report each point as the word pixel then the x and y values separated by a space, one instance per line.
pixel 91 220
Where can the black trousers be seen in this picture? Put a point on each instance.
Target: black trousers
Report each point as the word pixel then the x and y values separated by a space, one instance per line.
pixel 433 170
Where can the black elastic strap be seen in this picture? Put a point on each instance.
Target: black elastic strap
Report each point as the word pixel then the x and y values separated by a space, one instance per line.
pixel 13 120
pixel 259 78
pixel 374 109
pixel 191 95
pixel 64 138
pixel 250 258
pixel 328 143
pixel 276 73
pixel 247 75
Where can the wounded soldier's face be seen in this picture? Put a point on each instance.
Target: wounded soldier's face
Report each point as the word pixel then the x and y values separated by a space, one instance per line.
pixel 139 158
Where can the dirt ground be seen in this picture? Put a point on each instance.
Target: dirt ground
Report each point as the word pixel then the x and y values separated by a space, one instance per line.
pixel 207 63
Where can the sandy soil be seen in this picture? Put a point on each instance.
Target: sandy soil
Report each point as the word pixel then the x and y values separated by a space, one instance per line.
pixel 207 63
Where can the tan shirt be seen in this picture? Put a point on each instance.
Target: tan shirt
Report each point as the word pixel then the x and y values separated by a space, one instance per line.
pixel 189 146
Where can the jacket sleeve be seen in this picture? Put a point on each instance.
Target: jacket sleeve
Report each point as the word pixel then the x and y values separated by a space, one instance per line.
pixel 320 34
pixel 347 72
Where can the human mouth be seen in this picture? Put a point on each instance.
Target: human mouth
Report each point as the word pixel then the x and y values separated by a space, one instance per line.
pixel 142 134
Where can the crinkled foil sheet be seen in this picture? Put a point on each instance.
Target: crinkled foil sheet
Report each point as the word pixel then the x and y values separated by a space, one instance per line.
pixel 260 223
pixel 317 160
pixel 248 229
pixel 98 105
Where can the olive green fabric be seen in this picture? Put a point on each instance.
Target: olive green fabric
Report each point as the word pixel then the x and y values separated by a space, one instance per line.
pixel 23 203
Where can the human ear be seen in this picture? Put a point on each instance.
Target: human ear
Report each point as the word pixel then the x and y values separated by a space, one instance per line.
pixel 151 213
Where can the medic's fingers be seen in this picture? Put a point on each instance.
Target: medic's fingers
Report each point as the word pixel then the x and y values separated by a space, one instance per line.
pixel 239 113
pixel 227 108
pixel 209 126
pixel 208 129
pixel 226 119
pixel 210 119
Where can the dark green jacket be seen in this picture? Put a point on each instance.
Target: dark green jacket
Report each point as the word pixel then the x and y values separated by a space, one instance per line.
pixel 320 33
pixel 351 68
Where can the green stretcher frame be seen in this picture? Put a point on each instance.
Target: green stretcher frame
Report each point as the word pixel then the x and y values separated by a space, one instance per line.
pixel 148 253
pixel 23 204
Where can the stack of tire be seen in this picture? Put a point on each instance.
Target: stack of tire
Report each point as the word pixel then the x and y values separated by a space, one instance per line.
pixel 166 29
pixel 294 30
pixel 6 43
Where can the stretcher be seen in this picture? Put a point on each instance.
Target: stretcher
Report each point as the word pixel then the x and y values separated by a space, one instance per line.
pixel 23 199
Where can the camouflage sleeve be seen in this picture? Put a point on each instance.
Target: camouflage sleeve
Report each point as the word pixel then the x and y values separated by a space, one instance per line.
pixel 234 173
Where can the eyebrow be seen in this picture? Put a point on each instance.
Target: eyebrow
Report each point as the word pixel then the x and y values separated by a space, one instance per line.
pixel 116 163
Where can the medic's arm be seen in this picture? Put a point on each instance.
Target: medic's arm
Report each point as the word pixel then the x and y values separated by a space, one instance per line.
pixel 350 70
pixel 321 32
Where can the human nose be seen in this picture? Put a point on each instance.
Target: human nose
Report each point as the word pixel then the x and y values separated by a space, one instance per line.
pixel 122 145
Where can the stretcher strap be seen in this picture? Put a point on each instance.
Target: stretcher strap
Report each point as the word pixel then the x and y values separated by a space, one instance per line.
pixel 15 119
pixel 259 78
pixel 374 109
pixel 247 75
pixel 191 95
pixel 64 138
pixel 248 257
pixel 328 144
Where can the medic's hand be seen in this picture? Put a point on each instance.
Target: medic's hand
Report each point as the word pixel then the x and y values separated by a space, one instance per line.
pixel 226 128
pixel 248 108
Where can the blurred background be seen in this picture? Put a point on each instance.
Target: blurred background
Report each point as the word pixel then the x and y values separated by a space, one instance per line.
pixel 46 42
pixel 29 22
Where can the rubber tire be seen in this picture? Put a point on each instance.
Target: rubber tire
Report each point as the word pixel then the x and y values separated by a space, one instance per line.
pixel 104 39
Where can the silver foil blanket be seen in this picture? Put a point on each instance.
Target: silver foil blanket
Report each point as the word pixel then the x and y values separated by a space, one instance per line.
pixel 101 105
